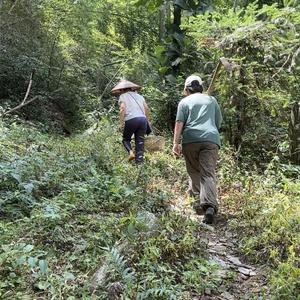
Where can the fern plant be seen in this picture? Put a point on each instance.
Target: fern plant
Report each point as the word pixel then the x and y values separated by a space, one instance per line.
pixel 119 267
pixel 158 293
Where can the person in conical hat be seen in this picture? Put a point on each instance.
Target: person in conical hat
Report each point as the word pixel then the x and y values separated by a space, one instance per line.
pixel 133 117
pixel 125 85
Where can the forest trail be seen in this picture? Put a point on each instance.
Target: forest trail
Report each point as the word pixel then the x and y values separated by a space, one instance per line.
pixel 240 280
pixel 92 201
pixel 68 200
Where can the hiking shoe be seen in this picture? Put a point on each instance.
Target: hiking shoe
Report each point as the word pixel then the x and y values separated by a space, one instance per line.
pixel 131 156
pixel 209 215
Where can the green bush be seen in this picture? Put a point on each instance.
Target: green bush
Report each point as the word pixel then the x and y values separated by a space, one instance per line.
pixel 67 202
pixel 266 210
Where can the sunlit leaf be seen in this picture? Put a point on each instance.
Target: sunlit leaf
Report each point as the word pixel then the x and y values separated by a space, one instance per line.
pixel 32 261
pixel 43 266
pixel 28 248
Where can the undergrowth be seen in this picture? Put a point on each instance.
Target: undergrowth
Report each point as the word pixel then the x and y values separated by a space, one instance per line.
pixel 71 205
pixel 67 203
pixel 265 209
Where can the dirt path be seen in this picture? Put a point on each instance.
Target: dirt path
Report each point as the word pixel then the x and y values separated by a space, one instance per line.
pixel 240 280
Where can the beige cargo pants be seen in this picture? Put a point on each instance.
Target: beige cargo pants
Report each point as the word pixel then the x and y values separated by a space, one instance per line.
pixel 201 159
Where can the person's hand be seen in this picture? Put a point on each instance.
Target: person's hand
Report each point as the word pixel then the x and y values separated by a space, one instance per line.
pixel 177 149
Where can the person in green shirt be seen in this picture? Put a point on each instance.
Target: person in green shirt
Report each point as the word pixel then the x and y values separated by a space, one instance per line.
pixel 198 120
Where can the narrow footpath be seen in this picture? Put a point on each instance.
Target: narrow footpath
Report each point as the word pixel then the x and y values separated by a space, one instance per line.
pixel 240 280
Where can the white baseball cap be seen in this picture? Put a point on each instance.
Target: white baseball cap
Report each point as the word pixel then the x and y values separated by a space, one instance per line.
pixel 192 78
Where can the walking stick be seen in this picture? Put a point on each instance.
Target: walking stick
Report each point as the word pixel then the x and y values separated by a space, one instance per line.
pixel 227 66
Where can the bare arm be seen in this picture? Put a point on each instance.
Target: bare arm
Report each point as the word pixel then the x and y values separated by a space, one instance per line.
pixel 147 110
pixel 122 114
pixel 176 139
pixel 218 116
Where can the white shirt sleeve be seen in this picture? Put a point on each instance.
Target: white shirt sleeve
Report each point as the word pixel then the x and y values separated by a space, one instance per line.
pixel 121 98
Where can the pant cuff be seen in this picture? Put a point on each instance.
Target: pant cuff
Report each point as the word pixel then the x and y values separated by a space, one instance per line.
pixel 205 205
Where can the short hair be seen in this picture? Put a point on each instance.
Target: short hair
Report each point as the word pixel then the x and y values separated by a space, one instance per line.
pixel 195 87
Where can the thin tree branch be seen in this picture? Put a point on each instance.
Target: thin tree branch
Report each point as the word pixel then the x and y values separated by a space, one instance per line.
pixel 281 68
pixel 113 77
pixel 13 6
pixel 60 75
pixel 20 106
pixel 113 63
pixel 28 87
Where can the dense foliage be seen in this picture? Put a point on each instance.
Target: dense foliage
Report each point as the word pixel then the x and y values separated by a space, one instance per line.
pixel 70 203
pixel 80 49
pixel 76 48
pixel 267 219
pixel 61 199
pixel 261 91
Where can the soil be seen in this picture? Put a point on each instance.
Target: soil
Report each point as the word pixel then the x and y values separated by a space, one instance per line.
pixel 240 280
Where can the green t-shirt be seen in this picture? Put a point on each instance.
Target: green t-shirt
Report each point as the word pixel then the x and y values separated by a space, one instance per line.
pixel 202 119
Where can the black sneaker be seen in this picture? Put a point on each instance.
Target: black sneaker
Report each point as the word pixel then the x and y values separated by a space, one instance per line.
pixel 209 215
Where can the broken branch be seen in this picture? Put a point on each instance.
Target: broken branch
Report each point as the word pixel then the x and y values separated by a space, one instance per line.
pixel 20 105
pixel 28 87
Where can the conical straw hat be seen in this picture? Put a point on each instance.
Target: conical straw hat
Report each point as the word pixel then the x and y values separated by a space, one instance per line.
pixel 124 84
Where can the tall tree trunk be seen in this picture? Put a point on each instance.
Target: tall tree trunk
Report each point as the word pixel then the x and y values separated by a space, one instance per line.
pixel 294 133
pixel 168 11
pixel 234 5
pixel 162 17
pixel 177 17
pixel 51 58
pixel 177 29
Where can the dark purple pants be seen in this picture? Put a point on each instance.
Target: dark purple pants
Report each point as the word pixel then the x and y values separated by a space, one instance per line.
pixel 136 127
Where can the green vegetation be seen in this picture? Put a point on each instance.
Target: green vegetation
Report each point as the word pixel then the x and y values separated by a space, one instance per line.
pixel 259 94
pixel 266 217
pixel 66 204
pixel 69 201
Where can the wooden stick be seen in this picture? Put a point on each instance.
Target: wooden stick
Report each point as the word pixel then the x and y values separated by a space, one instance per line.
pixel 13 6
pixel 23 103
pixel 20 105
pixel 211 86
pixel 227 66
pixel 28 87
